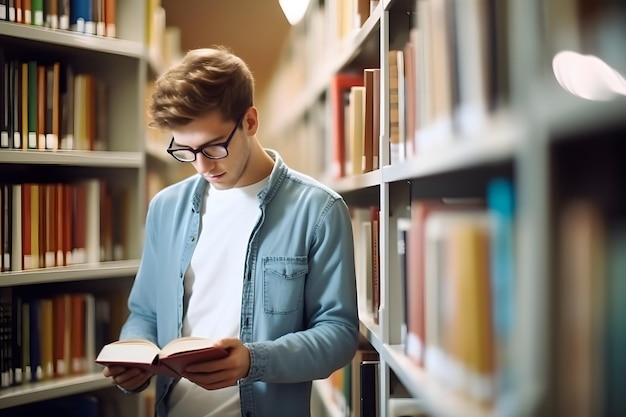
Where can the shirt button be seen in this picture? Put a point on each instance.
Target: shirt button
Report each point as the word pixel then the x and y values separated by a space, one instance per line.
pixel 192 238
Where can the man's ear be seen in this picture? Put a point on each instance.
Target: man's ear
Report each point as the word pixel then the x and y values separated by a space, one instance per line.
pixel 251 121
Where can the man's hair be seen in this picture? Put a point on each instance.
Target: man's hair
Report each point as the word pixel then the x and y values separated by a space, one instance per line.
pixel 205 80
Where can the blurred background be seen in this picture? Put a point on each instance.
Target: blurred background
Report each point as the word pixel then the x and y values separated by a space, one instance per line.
pixel 254 30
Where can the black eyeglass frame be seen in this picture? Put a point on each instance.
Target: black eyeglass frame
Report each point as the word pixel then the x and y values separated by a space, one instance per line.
pixel 196 151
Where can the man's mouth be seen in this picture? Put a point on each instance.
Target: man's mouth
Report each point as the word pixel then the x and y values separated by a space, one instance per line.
pixel 213 177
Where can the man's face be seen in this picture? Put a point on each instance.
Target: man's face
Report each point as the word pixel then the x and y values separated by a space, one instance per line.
pixel 211 129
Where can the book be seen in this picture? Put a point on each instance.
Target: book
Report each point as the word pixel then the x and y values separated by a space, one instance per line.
pixel 31 99
pixel 81 16
pixel 501 208
pixel 11 10
pixel 6 341
pixel 61 323
pixel 395 145
pixel 6 203
pixel 40 105
pixel 365 353
pixel 338 91
pixel 37 12
pixel 16 228
pixel 369 388
pixel 4 15
pixel 63 11
pixel 4 97
pixel 19 11
pixel 580 285
pixel 375 247
pixel 110 18
pixel 27 12
pixel 171 360
pixel 614 363
pixel 46 334
pixel 52 15
pixel 356 125
pixel 368 121
pixel 77 334
pixel 15 104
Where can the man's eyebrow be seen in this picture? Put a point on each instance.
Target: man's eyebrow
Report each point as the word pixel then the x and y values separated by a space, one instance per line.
pixel 215 141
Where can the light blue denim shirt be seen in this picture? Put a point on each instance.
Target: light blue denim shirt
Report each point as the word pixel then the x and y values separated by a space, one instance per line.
pixel 299 314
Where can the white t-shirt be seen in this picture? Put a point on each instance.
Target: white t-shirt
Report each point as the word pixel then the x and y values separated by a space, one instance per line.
pixel 213 287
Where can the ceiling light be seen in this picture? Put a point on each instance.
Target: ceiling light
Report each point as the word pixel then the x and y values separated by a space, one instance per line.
pixel 294 10
pixel 587 76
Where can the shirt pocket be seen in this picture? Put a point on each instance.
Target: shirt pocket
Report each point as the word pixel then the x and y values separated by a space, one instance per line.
pixel 283 283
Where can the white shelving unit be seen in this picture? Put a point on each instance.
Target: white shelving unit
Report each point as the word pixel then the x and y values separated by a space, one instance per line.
pixel 121 63
pixel 530 138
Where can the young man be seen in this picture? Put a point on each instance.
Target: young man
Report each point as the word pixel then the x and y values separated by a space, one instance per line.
pixel 249 253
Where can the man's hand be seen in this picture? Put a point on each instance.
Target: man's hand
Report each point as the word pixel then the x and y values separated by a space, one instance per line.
pixel 131 379
pixel 224 372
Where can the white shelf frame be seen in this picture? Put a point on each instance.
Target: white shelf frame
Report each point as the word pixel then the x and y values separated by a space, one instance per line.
pixel 53 388
pixel 69 39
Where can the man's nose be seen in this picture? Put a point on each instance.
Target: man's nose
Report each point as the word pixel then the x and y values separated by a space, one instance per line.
pixel 204 164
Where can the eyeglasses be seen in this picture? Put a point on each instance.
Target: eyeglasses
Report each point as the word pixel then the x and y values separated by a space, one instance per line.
pixel 211 150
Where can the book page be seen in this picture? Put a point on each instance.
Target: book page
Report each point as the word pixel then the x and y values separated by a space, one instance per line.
pixel 128 351
pixel 185 344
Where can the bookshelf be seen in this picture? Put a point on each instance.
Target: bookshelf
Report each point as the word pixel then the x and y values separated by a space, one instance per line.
pixel 557 155
pixel 164 51
pixel 109 222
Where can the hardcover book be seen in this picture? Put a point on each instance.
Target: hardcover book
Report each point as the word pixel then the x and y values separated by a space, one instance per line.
pixel 170 361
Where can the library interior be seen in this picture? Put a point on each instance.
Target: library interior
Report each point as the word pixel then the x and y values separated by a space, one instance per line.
pixel 475 143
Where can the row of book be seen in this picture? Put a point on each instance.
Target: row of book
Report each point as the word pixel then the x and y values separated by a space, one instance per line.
pixel 354 100
pixel 52 336
pixel 355 103
pixel 452 72
pixel 355 389
pixel 430 102
pixel 352 388
pixel 59 224
pixel 92 17
pixel 47 106
pixel 456 261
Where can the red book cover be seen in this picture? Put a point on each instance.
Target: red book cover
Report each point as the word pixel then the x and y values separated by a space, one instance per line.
pixel 77 334
pixel 339 88
pixel 171 360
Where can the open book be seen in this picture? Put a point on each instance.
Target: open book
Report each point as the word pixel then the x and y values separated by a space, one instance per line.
pixel 170 361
